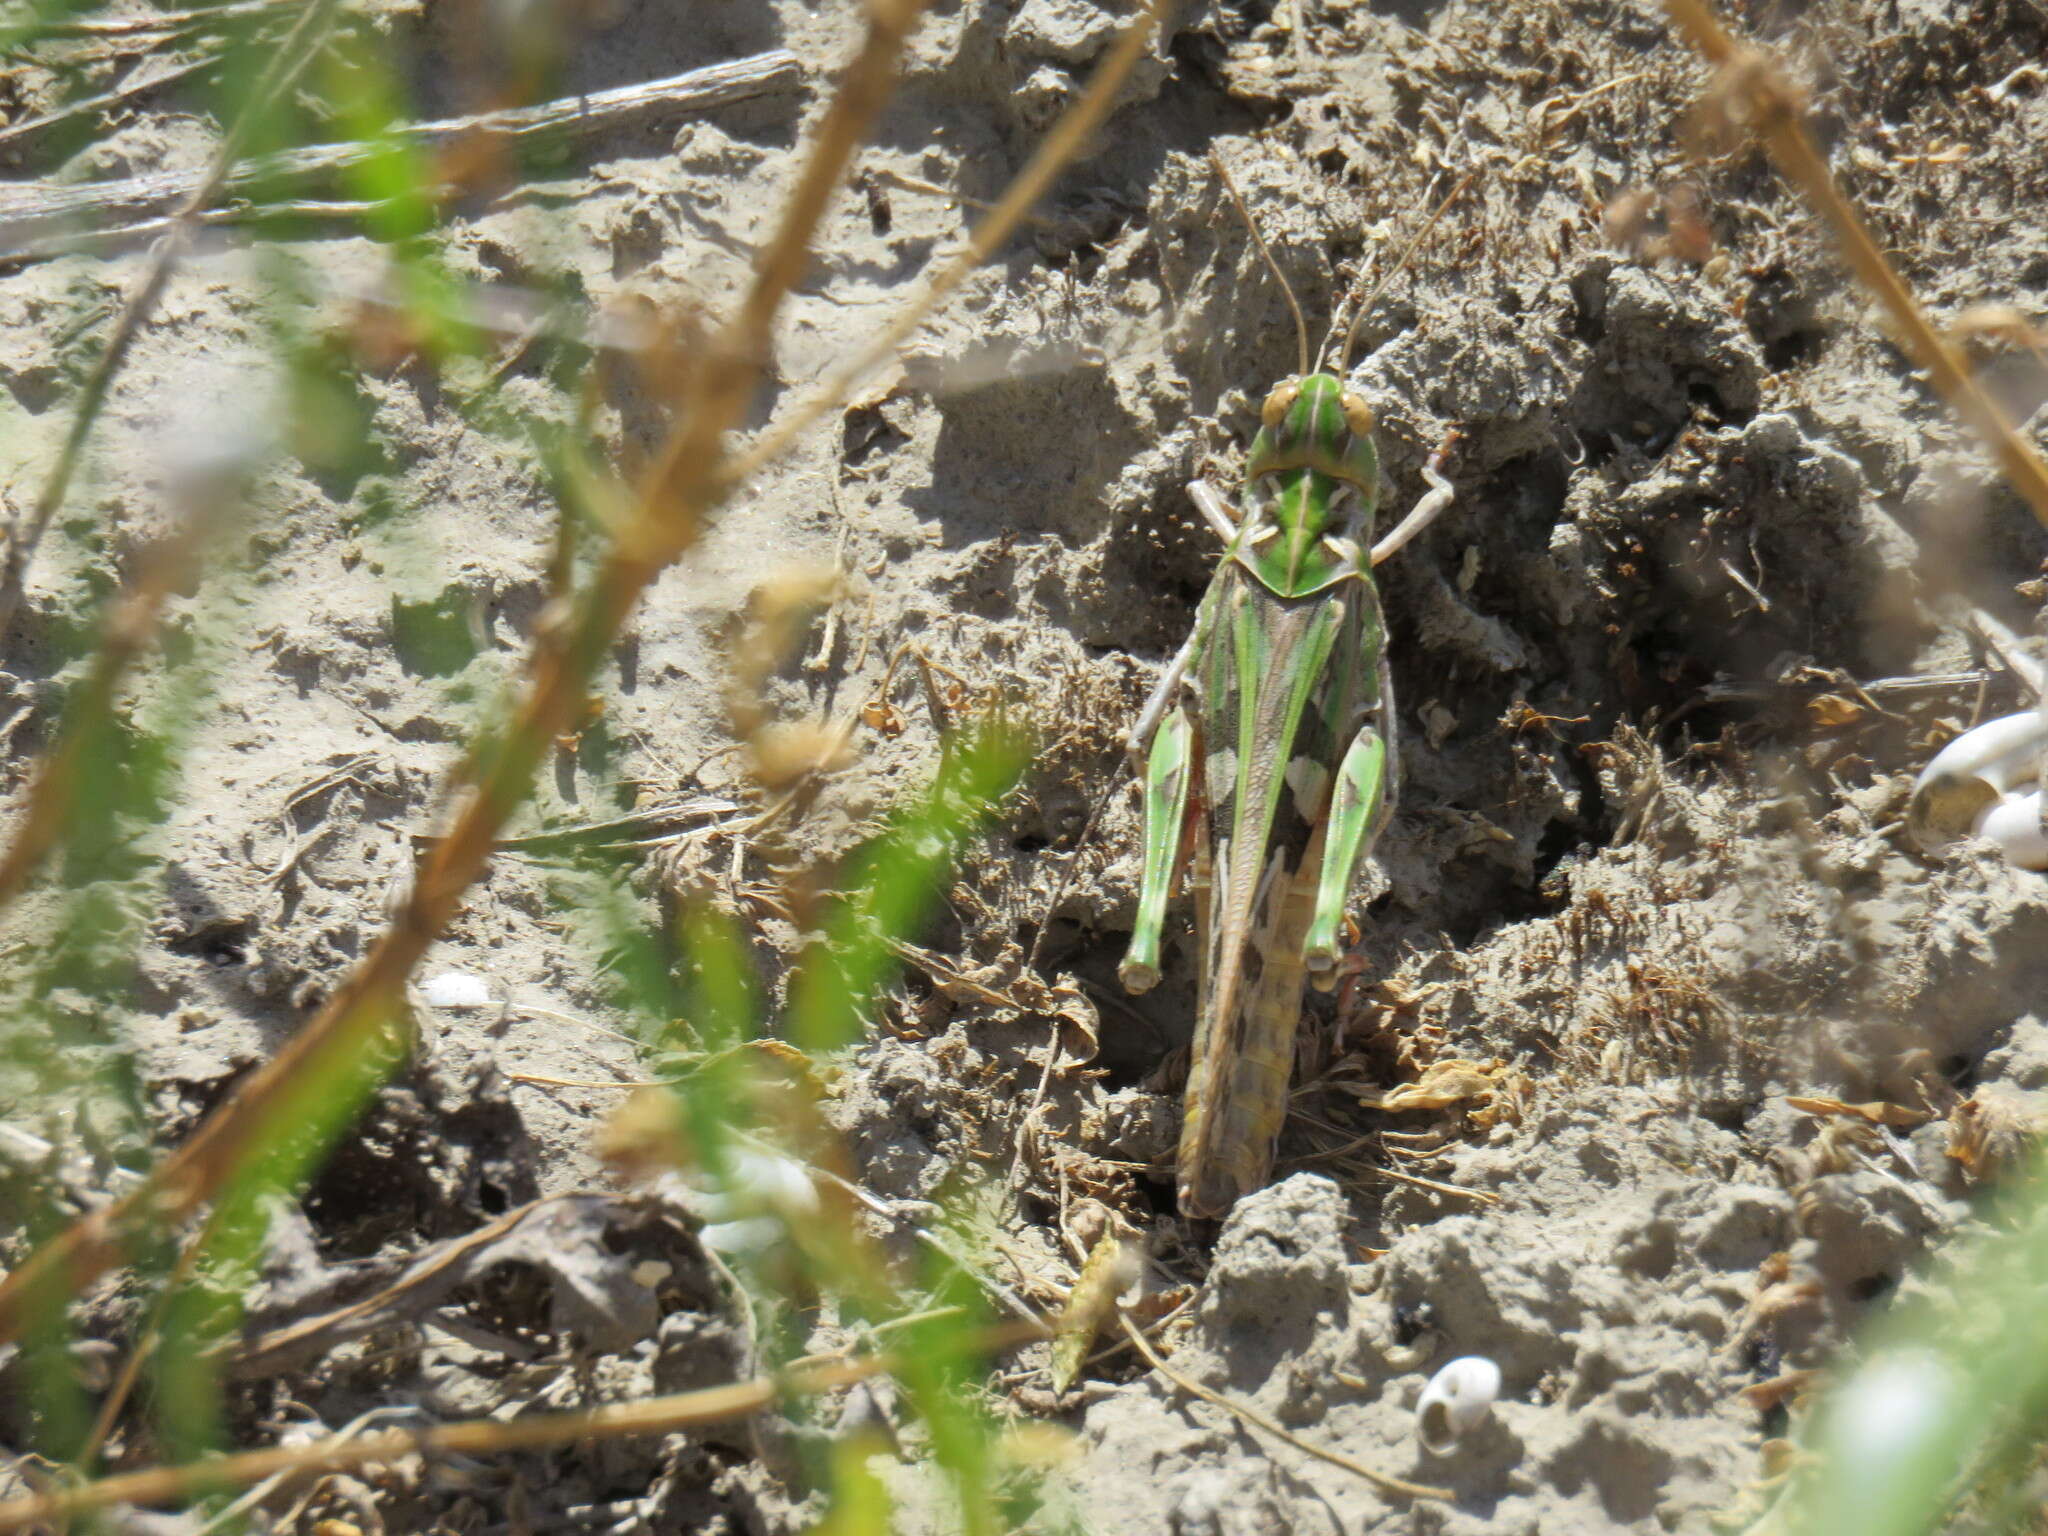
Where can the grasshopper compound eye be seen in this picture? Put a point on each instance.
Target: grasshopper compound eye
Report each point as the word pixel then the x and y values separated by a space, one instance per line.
pixel 1274 411
pixel 1357 415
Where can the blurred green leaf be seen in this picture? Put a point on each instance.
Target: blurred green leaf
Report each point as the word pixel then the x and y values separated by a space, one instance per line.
pixel 1950 1400
pixel 892 884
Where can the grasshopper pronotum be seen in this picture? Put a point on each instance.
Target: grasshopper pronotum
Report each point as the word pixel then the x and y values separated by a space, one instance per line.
pixel 1274 725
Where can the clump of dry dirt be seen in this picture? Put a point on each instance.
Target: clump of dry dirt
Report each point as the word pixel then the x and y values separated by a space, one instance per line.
pixel 1664 673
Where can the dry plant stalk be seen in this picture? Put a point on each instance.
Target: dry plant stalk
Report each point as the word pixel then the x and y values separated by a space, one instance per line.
pixel 691 475
pixel 1750 77
pixel 473 1437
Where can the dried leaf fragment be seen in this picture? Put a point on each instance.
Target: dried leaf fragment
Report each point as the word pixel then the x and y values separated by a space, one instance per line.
pixel 1789 1387
pixel 1831 711
pixel 1512 1091
pixel 1150 1306
pixel 1781 1458
pixel 880 715
pixel 1993 1128
pixel 1876 1112
pixel 1444 1084
pixel 1786 1296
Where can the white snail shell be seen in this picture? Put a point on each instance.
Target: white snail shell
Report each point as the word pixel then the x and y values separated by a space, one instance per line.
pixel 1457 1398
pixel 1985 783
pixel 2015 825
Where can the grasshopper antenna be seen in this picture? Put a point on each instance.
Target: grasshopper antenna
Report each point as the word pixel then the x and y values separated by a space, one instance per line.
pixel 1358 314
pixel 1272 266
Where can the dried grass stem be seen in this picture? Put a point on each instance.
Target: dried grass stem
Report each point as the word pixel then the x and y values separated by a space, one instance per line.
pixel 472 1437
pixel 1754 79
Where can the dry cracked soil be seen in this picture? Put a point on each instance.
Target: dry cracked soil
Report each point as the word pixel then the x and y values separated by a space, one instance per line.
pixel 1664 672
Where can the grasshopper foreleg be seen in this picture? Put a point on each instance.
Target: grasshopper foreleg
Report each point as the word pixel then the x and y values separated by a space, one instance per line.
pixel 1427 510
pixel 1209 501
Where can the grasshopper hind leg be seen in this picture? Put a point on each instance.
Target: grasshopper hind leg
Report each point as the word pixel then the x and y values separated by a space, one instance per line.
pixel 1360 803
pixel 1168 770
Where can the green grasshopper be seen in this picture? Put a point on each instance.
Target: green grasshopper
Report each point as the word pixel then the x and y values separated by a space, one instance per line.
pixel 1274 724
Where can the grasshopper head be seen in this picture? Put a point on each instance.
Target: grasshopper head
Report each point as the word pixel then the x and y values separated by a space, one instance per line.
pixel 1314 422
pixel 1312 484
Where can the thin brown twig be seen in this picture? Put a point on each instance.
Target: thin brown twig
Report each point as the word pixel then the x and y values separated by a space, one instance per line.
pixel 1756 79
pixel 2006 646
pixel 423 1282
pixel 1484 1197
pixel 932 189
pixel 534 1080
pixel 229 1516
pixel 1352 1144
pixel 474 1437
pixel 1111 1348
pixel 1398 1487
pixel 565 652
pixel 297 50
